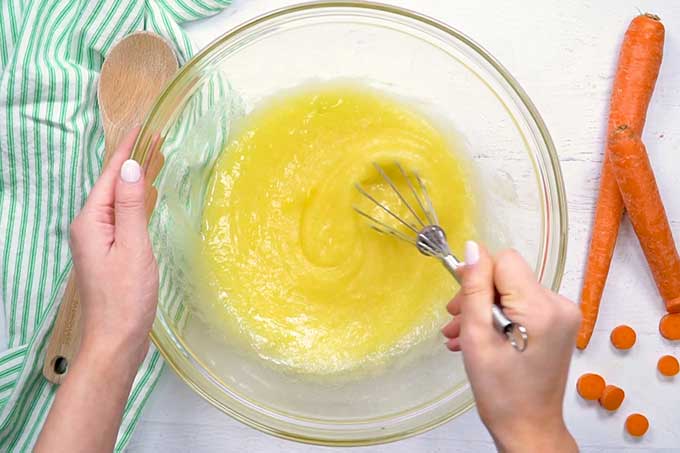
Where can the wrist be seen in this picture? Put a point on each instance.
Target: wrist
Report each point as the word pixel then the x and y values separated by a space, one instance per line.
pixel 536 437
pixel 120 356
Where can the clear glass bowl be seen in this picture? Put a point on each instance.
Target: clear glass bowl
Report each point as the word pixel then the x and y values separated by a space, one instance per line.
pixel 394 50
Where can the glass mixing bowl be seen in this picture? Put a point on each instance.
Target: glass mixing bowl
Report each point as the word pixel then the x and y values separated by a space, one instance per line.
pixel 397 51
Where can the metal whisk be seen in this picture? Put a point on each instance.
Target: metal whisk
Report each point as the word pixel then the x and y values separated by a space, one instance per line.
pixel 429 238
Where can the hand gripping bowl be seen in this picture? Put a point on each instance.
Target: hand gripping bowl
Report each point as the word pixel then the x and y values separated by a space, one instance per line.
pixel 394 50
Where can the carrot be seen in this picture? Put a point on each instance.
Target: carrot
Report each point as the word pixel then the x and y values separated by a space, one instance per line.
pixel 668 365
pixel 590 386
pixel 608 213
pixel 636 74
pixel 638 68
pixel 670 326
pixel 640 194
pixel 637 425
pixel 623 337
pixel 612 397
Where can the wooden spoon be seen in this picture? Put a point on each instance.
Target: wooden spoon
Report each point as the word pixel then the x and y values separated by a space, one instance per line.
pixel 133 75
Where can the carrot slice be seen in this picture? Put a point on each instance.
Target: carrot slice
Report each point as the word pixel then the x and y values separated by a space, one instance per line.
pixel 669 326
pixel 623 337
pixel 637 425
pixel 636 74
pixel 590 386
pixel 668 365
pixel 641 197
pixel 612 397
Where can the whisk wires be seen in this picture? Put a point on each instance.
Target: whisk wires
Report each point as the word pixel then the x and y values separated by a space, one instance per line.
pixel 421 197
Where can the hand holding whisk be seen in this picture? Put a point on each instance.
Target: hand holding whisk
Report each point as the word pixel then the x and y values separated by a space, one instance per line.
pixel 429 238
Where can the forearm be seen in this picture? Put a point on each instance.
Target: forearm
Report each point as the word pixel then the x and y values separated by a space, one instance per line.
pixel 88 407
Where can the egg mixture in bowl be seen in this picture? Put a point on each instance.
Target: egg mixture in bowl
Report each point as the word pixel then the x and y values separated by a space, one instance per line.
pixel 278 303
pixel 294 268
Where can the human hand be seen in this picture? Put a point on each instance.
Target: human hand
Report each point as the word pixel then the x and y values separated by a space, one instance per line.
pixel 519 395
pixel 115 268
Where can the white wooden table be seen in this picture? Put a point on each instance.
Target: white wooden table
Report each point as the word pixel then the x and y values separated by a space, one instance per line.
pixel 563 53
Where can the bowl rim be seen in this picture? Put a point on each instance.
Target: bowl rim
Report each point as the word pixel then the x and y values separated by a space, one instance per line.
pixel 140 154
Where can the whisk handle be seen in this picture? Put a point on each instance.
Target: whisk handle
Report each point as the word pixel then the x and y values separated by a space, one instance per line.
pixel 516 333
pixel 452 264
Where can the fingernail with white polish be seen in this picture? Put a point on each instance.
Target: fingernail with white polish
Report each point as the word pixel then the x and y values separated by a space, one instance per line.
pixel 130 171
pixel 471 252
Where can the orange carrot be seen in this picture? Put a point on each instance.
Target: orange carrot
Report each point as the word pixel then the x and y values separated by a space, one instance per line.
pixel 612 397
pixel 608 212
pixel 670 326
pixel 637 425
pixel 636 74
pixel 668 365
pixel 590 386
pixel 640 194
pixel 623 337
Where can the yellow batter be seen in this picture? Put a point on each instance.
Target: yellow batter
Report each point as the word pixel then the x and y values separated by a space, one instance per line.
pixel 297 273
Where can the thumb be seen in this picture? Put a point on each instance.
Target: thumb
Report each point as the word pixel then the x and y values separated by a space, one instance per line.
pixel 477 288
pixel 129 207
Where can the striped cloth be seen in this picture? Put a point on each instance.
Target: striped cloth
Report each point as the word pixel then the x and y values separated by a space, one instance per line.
pixel 51 148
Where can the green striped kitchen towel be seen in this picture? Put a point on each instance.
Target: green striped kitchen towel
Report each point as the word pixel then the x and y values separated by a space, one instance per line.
pixel 51 147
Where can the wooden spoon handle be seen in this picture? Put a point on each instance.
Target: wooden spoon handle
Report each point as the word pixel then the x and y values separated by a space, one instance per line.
pixel 152 167
pixel 66 335
pixel 65 339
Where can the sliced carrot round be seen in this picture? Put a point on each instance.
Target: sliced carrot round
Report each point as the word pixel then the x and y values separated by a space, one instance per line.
pixel 590 386
pixel 637 425
pixel 623 337
pixel 612 397
pixel 668 365
pixel 670 326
